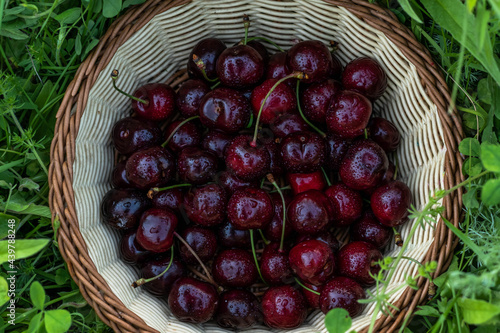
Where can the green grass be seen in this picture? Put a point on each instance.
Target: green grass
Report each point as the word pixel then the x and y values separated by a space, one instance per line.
pixel 43 43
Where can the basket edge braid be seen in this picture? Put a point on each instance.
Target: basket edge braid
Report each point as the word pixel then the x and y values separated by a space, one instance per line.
pixel 61 197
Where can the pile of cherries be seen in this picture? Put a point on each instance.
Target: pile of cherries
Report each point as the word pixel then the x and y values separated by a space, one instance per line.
pixel 236 167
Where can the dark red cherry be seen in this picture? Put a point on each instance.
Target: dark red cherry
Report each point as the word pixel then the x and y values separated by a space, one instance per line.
pixel 288 124
pixel 197 166
pixel 384 133
pixel 193 301
pixel 162 285
pixel 311 57
pixel 311 298
pixel 277 69
pixel 246 161
pixel 202 241
pixel 231 183
pixel 188 135
pixel 313 261
pixel 189 97
pixel 259 47
pixel 273 230
pixel 229 237
pixel 240 66
pixel 337 68
pixel 170 199
pixel 234 268
pixel 153 167
pixel 389 174
pixel 390 203
pixel 316 98
pixel 348 114
pixel 342 292
pixel 131 134
pixel 284 307
pixel 131 251
pixel 216 142
pixel 357 260
pixel 324 236
pixel 310 212
pixel 347 204
pixel 225 109
pixel 336 149
pixel 208 50
pixel 206 205
pixel 122 209
pixel 364 165
pixel 238 309
pixel 119 176
pixel 280 101
pixel 303 152
pixel 250 208
pixel 368 229
pixel 366 76
pixel 275 266
pixel 275 161
pixel 156 229
pixel 302 182
pixel 160 98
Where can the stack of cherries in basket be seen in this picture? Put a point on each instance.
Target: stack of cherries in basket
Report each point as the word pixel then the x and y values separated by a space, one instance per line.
pixel 231 191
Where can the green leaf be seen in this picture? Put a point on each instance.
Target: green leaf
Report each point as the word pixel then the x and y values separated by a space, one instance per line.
pixel 128 3
pixel 37 295
pixel 6 224
pixel 90 46
pixel 69 16
pixel 467 241
pixel 4 291
pixel 35 323
pixel 62 276
pixel 426 310
pixel 111 8
pixel 57 321
pixel 9 165
pixel 19 205
pixel 13 33
pixel 490 156
pixel 406 5
pixel 476 311
pixel 338 321
pixel 490 194
pixel 484 91
pixel 471 4
pixel 470 147
pixel 472 166
pixel 470 199
pixel 23 248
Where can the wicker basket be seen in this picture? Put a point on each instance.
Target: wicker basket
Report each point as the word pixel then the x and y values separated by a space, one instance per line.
pixel 151 43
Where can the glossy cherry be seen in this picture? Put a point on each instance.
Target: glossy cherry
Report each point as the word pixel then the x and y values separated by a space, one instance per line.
pixel 160 100
pixel 310 212
pixel 275 161
pixel 131 251
pixel 346 202
pixel 311 57
pixel 216 142
pixel 288 124
pixel 275 266
pixel 366 76
pixel 336 149
pixel 163 284
pixel 316 98
pixel 153 167
pixel 187 135
pixel 303 152
pixel 193 301
pixel 357 260
pixel 277 69
pixel 302 182
pixel 324 236
pixel 280 101
pixel 170 199
pixel 230 237
pixel 206 205
pixel 368 229
pixel 348 114
pixel 238 309
pixel 313 261
pixel 132 134
pixel 390 203
pixel 240 66
pixel 119 176
pixel 246 161
pixel 250 208
pixel 202 241
pixel 284 307
pixel 122 209
pixel 342 292
pixel 231 183
pixel 208 50
pixel 156 229
pixel 189 96
pixel 273 231
pixel 311 298
pixel 234 268
pixel 383 132
pixel 197 166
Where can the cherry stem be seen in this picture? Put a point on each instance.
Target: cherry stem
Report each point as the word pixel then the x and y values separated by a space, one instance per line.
pixel 255 257
pixel 215 85
pixel 176 129
pixel 396 167
pixel 271 179
pixel 334 45
pixel 142 281
pixel 114 76
pixel 263 237
pixel 366 134
pixel 209 276
pixel 308 289
pixel 326 177
pixel 297 75
pixel 397 237
pixel 320 132
pixel 154 190
pixel 246 24
pixel 266 40
pixel 201 66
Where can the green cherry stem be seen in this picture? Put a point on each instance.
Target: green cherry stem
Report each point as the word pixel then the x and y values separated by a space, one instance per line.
pixel 308 289
pixel 142 281
pixel 246 24
pixel 366 134
pixel 328 182
pixel 320 132
pixel 255 257
pixel 396 167
pixel 263 237
pixel 297 75
pixel 397 237
pixel 114 76
pixel 271 179
pixel 201 66
pixel 268 41
pixel 176 129
pixel 154 190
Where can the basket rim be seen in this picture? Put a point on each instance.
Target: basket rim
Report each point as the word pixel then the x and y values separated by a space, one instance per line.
pixel 72 246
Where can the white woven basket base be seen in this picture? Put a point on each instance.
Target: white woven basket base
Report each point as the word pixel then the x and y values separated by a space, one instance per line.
pixel 162 46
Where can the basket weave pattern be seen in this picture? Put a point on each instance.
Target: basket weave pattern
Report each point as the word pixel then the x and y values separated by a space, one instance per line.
pixel 151 43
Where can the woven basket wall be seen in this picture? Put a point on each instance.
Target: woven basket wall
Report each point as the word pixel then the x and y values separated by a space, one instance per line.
pixel 151 43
